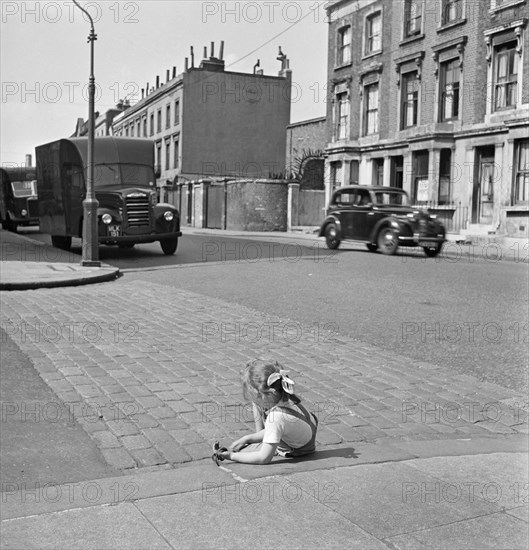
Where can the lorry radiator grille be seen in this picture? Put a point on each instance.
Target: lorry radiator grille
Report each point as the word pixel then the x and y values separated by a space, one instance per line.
pixel 138 211
pixel 33 208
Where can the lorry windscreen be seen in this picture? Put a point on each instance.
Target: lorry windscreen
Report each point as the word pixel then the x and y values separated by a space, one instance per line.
pixel 125 175
pixel 24 188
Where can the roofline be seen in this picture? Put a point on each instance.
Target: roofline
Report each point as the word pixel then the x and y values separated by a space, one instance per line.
pixel 308 121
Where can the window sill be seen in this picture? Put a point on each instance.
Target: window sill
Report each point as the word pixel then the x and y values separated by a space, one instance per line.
pixel 494 11
pixel 452 24
pixel 521 207
pixel 371 54
pixel 443 207
pixel 411 39
pixel 338 67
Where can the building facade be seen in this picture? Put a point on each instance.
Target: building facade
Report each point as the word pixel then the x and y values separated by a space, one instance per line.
pixel 432 96
pixel 208 122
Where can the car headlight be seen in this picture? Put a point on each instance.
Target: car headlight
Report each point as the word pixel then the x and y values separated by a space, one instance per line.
pixel 24 212
pixel 168 215
pixel 106 219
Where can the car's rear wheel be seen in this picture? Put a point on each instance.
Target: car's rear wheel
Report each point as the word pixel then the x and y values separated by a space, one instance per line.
pixel 372 247
pixel 433 251
pixel 387 241
pixel 169 246
pixel 331 236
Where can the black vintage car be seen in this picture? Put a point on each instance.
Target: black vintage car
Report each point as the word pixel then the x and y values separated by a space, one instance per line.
pixel 382 218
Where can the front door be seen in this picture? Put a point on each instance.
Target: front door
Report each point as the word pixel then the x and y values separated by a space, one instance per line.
pixel 483 193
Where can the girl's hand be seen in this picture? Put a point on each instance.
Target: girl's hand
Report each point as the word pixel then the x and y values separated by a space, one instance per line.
pixel 225 454
pixel 238 445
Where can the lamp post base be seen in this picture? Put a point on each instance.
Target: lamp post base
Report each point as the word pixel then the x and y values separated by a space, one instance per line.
pixel 90 256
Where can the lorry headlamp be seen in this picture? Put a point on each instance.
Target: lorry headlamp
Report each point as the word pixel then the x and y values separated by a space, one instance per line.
pixel 24 212
pixel 106 219
pixel 168 216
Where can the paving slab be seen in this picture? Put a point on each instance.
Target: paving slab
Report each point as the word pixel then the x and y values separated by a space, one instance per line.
pixel 496 531
pixel 269 513
pixel 503 477
pixel 122 527
pixel 390 499
pixel 49 498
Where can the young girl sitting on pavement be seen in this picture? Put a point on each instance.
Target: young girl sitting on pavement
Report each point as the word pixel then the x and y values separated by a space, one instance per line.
pixel 288 430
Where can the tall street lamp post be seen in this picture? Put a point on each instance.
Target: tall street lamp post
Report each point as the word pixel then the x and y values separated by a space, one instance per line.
pixel 90 255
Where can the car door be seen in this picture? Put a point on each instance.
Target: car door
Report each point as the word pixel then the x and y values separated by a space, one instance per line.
pixel 344 203
pixel 362 215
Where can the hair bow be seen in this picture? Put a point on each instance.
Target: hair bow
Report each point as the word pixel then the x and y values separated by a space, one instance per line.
pixel 286 383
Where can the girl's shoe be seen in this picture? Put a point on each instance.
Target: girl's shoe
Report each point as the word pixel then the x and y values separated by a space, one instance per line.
pixel 216 450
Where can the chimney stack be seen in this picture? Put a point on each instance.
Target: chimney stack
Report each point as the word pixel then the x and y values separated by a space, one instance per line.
pixel 186 64
pixel 28 161
pixel 205 52
pixel 221 54
pixel 213 49
pixel 192 58
pixel 174 72
pixel 157 81
pixel 167 73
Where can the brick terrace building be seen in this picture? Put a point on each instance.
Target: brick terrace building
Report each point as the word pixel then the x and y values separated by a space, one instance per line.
pixel 432 96
pixel 208 122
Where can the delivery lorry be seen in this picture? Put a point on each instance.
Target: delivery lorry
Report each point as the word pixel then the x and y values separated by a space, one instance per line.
pixel 124 184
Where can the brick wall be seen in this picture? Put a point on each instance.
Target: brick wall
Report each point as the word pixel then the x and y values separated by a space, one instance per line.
pixel 302 136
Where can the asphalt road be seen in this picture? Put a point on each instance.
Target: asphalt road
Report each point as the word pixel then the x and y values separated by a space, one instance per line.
pixel 467 313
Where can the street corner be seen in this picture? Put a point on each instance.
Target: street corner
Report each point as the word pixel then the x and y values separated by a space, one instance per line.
pixel 18 275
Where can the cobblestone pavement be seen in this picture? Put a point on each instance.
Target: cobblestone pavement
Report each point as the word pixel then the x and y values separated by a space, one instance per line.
pixel 153 374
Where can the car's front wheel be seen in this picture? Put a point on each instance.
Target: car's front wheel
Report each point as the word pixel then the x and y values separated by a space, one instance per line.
pixel 331 236
pixel 169 246
pixel 433 251
pixel 387 241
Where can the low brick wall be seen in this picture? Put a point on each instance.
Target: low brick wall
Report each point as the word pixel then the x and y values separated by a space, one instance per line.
pixel 257 205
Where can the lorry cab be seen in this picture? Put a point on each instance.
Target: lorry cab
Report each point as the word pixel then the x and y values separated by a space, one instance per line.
pixel 18 197
pixel 124 185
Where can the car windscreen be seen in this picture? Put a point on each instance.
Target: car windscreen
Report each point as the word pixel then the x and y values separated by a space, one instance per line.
pixel 391 198
pixel 124 175
pixel 24 188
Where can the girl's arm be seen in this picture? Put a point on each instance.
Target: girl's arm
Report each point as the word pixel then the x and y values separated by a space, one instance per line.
pixel 247 440
pixel 262 456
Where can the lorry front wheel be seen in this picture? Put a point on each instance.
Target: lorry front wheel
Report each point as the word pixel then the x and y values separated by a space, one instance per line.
pixel 64 243
pixel 169 246
pixel 9 225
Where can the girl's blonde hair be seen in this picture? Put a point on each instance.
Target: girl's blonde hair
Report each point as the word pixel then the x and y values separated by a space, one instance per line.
pixel 255 381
